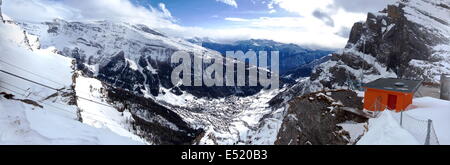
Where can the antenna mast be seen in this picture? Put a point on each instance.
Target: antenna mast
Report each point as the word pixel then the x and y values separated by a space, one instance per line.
pixel 363 64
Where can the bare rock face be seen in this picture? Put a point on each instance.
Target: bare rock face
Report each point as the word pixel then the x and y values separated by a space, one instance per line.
pixel 394 40
pixel 312 119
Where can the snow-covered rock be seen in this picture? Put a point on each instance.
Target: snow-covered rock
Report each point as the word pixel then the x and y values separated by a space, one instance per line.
pixel 315 119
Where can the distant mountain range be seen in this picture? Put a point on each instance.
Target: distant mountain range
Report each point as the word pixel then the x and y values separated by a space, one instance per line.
pixel 292 56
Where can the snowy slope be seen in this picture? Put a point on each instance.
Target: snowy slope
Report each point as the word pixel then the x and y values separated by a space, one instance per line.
pixel 102 115
pixel 436 110
pixel 25 124
pixel 386 130
pixel 42 66
pixel 34 114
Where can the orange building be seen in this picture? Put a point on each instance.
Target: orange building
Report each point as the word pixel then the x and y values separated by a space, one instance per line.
pixel 390 93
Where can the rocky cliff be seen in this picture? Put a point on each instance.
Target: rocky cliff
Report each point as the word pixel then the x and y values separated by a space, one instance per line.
pixel 406 40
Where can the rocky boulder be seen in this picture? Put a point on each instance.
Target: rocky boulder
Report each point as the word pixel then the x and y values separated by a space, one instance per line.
pixel 313 119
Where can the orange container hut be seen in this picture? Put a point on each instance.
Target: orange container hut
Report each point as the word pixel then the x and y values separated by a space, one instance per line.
pixel 389 93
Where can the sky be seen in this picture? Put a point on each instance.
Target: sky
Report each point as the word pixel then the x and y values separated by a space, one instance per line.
pixel 312 23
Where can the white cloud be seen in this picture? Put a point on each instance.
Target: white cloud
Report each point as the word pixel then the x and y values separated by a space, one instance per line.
pixel 300 30
pixel 320 23
pixel 304 8
pixel 229 2
pixel 270 5
pixel 323 29
pixel 236 19
pixel 164 10
pixel 73 10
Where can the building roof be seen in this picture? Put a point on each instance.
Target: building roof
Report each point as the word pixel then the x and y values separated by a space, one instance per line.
pixel 394 84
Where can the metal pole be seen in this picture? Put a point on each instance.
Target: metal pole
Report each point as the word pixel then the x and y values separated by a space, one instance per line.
pixel 363 64
pixel 401 119
pixel 445 87
pixel 427 140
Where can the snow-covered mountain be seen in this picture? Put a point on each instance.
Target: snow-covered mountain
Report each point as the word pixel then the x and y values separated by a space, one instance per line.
pixel 132 57
pixel 34 114
pixel 407 40
pixel 119 81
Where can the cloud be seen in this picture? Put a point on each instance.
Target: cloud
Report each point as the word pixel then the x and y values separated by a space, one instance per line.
pixel 325 23
pixel 321 23
pixel 344 32
pixel 303 8
pixel 299 30
pixel 236 19
pixel 363 5
pixel 165 12
pixel 75 10
pixel 324 17
pixel 229 2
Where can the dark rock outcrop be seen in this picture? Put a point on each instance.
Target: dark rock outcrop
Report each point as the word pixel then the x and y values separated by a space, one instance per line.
pixel 154 122
pixel 394 40
pixel 312 119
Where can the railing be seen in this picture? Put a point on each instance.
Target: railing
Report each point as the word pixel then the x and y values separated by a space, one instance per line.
pixel 422 130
